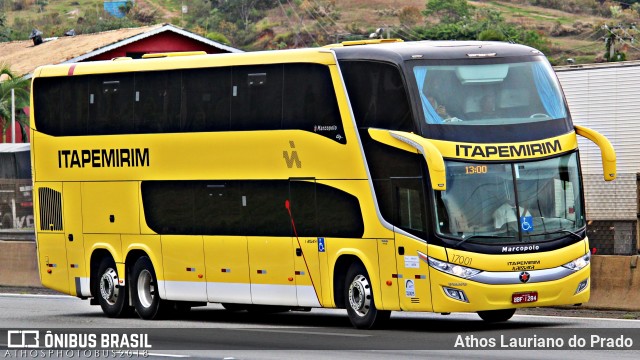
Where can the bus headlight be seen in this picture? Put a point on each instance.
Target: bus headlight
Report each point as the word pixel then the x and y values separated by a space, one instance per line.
pixel 453 269
pixel 579 263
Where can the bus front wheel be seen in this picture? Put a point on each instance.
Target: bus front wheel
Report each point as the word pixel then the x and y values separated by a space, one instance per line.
pixel 144 290
pixel 496 315
pixel 112 297
pixel 359 300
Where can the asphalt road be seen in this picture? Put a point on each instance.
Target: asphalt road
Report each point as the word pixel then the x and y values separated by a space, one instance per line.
pixel 212 332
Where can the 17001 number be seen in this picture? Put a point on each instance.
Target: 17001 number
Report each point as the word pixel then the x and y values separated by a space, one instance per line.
pixel 462 260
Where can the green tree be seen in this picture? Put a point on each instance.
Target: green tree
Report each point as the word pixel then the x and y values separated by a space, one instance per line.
pixel 448 11
pixel 20 86
pixel 244 12
pixel 481 24
pixel 4 29
pixel 409 15
pixel 491 35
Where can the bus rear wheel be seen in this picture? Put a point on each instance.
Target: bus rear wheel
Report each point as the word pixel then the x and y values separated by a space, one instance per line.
pixel 111 296
pixel 359 300
pixel 144 290
pixel 494 316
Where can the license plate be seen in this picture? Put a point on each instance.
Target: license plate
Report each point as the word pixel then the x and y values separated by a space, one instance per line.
pixel 524 297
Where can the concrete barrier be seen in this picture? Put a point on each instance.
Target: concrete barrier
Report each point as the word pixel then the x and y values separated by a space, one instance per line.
pixel 19 264
pixel 615 280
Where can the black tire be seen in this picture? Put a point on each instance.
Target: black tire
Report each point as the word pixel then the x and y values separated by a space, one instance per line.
pixel 359 301
pixel 144 290
pixel 494 316
pixel 112 297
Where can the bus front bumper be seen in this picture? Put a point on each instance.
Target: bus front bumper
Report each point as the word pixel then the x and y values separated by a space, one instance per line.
pixel 454 294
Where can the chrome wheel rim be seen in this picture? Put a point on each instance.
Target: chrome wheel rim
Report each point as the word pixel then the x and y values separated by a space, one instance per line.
pixel 109 289
pixel 146 288
pixel 360 295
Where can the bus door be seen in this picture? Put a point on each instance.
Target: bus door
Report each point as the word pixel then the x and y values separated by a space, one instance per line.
pixel 271 249
pixel 308 249
pixel 52 254
pixel 410 216
pixel 72 215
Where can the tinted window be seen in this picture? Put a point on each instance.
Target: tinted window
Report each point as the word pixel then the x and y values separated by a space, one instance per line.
pixel 157 101
pixel 256 102
pixel 378 95
pixel 251 208
pixel 169 206
pixel 409 201
pixel 207 97
pixel 61 106
pixel 390 170
pixel 111 100
pixel 303 206
pixel 339 213
pixel 310 102
pixel 218 207
pixel 261 97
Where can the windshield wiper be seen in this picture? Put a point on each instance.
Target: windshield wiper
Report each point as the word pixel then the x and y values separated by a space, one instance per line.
pixel 578 237
pixel 483 236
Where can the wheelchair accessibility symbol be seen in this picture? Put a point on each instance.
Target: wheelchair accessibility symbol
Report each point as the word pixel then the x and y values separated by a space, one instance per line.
pixel 526 223
pixel 320 244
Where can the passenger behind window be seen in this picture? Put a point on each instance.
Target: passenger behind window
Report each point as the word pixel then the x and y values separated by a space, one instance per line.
pixel 441 110
pixel 488 106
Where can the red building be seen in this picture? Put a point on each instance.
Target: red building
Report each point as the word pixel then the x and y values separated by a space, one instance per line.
pixel 24 56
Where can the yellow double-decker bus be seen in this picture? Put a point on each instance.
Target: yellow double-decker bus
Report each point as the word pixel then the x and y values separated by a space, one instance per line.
pixel 375 176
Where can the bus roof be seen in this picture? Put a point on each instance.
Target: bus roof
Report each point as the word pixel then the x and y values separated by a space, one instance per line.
pixel 311 55
pixel 438 50
pixel 389 51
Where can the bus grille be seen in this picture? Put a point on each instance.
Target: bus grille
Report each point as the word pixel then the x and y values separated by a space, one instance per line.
pixel 50 209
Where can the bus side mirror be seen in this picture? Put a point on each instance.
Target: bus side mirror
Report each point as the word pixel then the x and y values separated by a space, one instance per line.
pixel 412 143
pixel 606 151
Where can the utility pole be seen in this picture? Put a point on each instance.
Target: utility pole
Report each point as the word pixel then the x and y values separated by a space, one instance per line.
pixel 13 116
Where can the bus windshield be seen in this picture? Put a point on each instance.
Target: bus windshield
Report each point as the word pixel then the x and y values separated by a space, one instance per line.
pixel 495 93
pixel 505 203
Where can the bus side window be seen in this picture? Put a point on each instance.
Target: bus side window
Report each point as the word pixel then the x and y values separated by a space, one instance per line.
pixel 310 101
pixel 111 101
pixel 157 101
pixel 207 99
pixel 339 213
pixel 378 95
pixel 219 208
pixel 169 206
pixel 256 100
pixel 61 105
pixel 409 201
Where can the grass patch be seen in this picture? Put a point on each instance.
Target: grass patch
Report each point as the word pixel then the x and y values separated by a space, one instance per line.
pixel 630 316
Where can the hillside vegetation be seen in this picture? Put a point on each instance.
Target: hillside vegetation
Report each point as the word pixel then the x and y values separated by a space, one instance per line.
pixel 566 30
